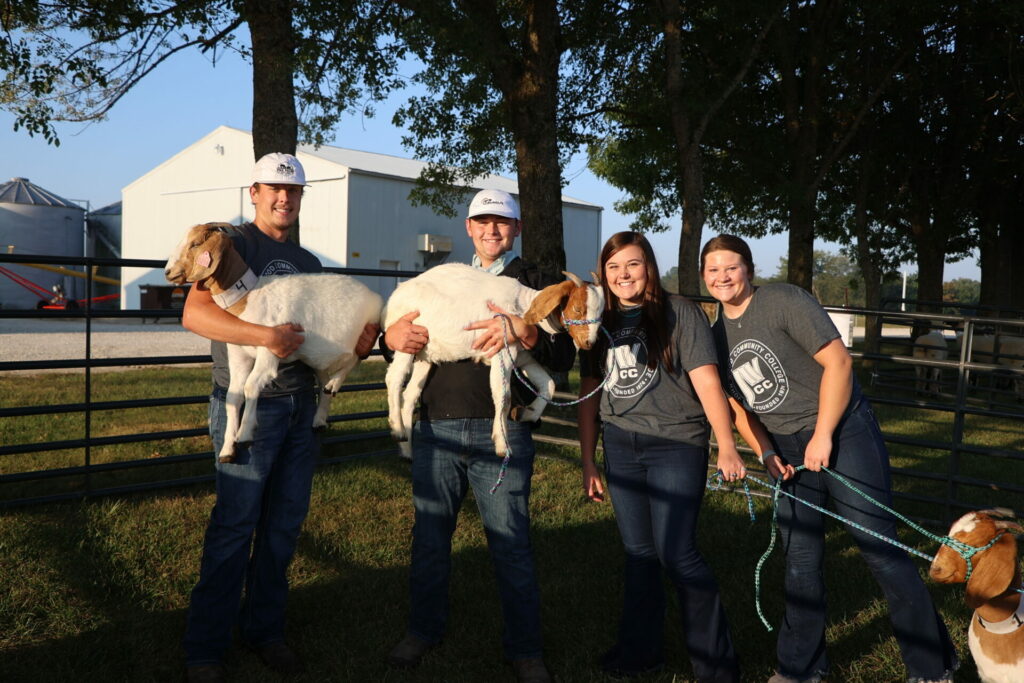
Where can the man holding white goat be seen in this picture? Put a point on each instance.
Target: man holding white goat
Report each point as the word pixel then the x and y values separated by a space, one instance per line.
pixel 263 494
pixel 453 450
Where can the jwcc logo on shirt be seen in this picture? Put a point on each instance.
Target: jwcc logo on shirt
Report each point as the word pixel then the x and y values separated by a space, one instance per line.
pixel 759 375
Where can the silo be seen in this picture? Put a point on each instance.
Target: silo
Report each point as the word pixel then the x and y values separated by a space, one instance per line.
pixel 35 221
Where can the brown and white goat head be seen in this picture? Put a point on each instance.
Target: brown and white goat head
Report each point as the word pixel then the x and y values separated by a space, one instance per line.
pixel 996 633
pixel 198 255
pixel 575 300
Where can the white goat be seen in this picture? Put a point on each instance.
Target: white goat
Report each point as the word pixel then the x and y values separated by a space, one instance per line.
pixel 449 297
pixel 999 349
pixel 930 346
pixel 332 310
pixel 996 633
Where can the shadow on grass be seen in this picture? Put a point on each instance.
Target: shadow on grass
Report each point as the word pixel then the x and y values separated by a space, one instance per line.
pixel 97 591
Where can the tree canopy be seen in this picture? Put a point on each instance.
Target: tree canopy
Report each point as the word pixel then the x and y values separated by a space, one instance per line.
pixel 895 129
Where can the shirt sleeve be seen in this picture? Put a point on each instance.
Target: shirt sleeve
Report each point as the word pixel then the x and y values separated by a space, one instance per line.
pixel 695 345
pixel 807 323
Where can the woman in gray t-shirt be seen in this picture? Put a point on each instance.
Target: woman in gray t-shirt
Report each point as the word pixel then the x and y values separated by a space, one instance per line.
pixel 786 369
pixel 662 391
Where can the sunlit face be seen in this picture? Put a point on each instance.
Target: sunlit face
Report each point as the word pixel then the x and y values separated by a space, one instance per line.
pixel 277 206
pixel 492 236
pixel 727 278
pixel 626 274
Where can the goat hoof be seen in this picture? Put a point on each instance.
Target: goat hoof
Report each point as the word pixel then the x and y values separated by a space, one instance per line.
pixel 226 458
pixel 320 428
pixel 405 451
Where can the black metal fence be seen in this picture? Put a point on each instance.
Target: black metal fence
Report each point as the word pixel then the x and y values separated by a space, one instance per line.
pixel 84 475
pixel 968 384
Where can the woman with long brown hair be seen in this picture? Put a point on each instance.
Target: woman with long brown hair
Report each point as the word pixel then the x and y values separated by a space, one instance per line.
pixel 663 389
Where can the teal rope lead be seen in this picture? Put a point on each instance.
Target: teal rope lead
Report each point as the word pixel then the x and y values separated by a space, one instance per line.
pixel 964 550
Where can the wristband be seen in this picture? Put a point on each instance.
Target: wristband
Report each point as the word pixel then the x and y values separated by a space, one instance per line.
pixel 764 455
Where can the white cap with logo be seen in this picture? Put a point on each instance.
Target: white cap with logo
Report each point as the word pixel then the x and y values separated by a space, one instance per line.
pixel 495 203
pixel 278 169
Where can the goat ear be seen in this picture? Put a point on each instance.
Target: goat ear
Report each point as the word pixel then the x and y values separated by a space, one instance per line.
pixel 547 301
pixel 207 256
pixel 994 569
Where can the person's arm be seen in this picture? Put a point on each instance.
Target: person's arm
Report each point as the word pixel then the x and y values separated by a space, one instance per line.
pixel 365 343
pixel 833 399
pixel 757 437
pixel 709 391
pixel 586 418
pixel 406 336
pixel 204 317
pixel 507 328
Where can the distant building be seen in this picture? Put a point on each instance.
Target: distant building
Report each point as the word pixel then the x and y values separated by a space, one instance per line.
pixel 36 221
pixel 355 212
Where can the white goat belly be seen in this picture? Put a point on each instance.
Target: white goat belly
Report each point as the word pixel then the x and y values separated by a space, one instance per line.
pixel 990 670
pixel 431 294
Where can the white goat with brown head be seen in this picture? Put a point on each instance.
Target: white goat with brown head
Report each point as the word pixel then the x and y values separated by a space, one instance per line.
pixel 449 297
pixel 996 633
pixel 332 310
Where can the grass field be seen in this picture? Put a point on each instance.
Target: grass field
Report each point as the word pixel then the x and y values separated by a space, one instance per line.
pixel 97 590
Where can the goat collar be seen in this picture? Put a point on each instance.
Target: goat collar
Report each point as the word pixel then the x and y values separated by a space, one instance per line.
pixel 234 293
pixel 1007 625
pixel 569 322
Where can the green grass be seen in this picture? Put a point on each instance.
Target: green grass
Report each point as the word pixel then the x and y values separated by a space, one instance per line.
pixel 97 590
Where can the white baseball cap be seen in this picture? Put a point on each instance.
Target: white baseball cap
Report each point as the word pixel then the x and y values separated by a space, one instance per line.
pixel 278 169
pixel 493 202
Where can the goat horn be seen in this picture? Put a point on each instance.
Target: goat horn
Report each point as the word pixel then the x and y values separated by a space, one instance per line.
pixel 575 279
pixel 1009 526
pixel 597 278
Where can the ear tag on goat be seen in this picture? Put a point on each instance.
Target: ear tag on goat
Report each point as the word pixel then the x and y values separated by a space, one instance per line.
pixel 204 259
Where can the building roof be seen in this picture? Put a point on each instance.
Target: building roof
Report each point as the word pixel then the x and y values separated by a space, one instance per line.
pixel 409 169
pixel 22 191
pixel 108 210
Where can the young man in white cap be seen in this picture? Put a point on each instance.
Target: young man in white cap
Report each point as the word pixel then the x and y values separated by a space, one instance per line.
pixel 452 450
pixel 263 495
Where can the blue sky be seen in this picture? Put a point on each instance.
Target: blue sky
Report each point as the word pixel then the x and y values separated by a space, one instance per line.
pixel 188 96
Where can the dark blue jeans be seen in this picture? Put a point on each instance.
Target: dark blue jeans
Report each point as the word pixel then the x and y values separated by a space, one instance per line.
pixel 656 488
pixel 859 455
pixel 449 456
pixel 262 500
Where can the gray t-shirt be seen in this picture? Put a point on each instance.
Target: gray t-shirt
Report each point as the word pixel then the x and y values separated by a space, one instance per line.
pixel 655 401
pixel 266 256
pixel 769 352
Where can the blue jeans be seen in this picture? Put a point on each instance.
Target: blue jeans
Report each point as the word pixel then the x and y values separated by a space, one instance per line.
pixel 449 456
pixel 656 488
pixel 859 455
pixel 262 500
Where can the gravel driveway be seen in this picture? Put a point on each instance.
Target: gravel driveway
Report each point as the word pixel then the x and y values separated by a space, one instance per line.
pixel 24 340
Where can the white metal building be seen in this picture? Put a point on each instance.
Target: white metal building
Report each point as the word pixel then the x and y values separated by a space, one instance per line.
pixel 355 212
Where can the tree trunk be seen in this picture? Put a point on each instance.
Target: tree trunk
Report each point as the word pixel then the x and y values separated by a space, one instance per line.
pixel 693 222
pixel 532 100
pixel 801 241
pixel 931 256
pixel 867 261
pixel 275 126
